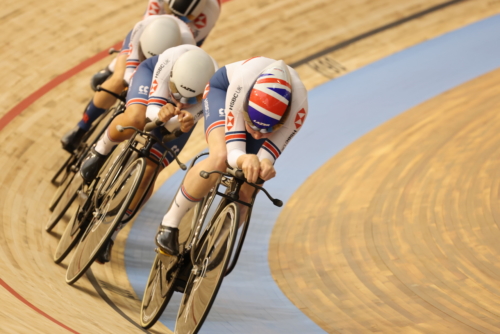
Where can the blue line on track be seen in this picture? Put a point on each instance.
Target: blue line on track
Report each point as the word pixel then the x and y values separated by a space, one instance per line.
pixel 341 111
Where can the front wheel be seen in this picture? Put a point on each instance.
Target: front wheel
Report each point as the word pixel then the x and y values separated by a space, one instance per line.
pixel 159 289
pixel 208 272
pixel 65 200
pixel 70 237
pixel 106 219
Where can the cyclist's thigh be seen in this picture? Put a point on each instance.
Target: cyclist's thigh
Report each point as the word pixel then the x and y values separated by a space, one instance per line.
pixel 138 92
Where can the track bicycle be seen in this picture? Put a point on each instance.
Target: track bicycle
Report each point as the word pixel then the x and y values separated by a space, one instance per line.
pixel 71 181
pixel 109 197
pixel 205 255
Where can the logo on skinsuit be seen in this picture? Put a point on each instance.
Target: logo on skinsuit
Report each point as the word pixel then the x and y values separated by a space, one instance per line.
pixel 153 87
pixel 201 21
pixel 143 90
pixel 230 121
pixel 154 8
pixel 299 119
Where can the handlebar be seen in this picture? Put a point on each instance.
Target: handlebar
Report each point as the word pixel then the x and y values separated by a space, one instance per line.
pixel 238 173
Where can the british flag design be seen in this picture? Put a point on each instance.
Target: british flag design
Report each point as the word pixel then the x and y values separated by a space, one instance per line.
pixel 270 97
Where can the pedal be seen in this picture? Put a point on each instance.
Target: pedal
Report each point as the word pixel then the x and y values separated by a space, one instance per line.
pixel 159 251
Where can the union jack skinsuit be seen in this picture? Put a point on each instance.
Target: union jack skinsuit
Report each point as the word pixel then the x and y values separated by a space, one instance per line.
pixel 226 96
pixel 201 26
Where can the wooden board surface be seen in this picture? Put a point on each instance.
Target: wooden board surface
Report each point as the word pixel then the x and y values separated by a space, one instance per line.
pixel 44 40
pixel 402 235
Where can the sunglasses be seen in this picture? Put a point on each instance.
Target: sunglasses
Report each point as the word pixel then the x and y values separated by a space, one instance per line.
pixel 182 99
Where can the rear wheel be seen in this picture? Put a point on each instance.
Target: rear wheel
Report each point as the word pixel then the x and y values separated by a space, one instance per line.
pixel 208 272
pixel 106 219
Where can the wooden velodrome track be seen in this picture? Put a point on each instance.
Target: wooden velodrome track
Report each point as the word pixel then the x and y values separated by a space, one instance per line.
pixel 44 40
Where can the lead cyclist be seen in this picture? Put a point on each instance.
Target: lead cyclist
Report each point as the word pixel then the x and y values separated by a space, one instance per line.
pixel 252 109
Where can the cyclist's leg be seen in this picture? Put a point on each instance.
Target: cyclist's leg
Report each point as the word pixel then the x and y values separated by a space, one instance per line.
pixel 194 187
pixel 135 114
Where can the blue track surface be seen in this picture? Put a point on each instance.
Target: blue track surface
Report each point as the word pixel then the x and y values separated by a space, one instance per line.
pixel 340 112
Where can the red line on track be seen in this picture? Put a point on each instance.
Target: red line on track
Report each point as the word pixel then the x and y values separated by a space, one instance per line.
pixel 20 107
pixel 21 298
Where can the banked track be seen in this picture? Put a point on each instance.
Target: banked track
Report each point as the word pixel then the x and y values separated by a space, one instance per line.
pixel 47 39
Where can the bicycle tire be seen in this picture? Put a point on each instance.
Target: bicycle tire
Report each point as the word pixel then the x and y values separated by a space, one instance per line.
pixel 64 167
pixel 106 219
pixel 67 198
pixel 70 237
pixel 162 275
pixel 150 313
pixel 203 285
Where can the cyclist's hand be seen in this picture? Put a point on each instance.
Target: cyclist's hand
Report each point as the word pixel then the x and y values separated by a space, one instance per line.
pixel 267 170
pixel 186 119
pixel 167 112
pixel 251 167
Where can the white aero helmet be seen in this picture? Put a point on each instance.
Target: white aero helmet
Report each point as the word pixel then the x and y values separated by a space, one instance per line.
pixel 191 8
pixel 159 35
pixel 190 74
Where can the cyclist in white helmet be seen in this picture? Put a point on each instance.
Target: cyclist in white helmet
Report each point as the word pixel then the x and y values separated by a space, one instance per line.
pixel 253 108
pixel 175 82
pixel 149 37
pixel 200 15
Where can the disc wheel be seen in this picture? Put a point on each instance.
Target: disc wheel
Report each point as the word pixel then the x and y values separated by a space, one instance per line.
pixel 65 201
pixel 210 266
pixel 106 218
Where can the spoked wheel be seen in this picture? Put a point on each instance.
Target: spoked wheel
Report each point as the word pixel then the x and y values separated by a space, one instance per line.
pixel 159 289
pixel 106 218
pixel 67 198
pixel 164 273
pixel 210 266
pixel 63 172
pixel 60 190
pixel 74 230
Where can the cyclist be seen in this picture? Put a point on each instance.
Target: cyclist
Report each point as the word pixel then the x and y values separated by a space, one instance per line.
pixel 199 15
pixel 149 37
pixel 175 82
pixel 252 109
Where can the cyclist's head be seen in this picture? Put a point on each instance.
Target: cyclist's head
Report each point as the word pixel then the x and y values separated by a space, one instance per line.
pixel 190 74
pixel 159 35
pixel 268 101
pixel 188 8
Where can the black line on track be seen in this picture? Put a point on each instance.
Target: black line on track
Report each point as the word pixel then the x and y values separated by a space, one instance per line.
pixel 375 31
pixel 104 296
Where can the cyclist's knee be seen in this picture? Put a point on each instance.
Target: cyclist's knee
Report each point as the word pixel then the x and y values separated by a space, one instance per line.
pixel 136 116
pixel 218 160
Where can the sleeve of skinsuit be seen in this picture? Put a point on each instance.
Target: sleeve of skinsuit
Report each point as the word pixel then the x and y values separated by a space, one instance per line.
pixel 133 57
pixel 205 22
pixel 274 145
pixel 155 7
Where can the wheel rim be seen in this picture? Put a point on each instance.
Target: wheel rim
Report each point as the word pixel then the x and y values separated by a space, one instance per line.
pixel 159 289
pixel 211 260
pixel 65 201
pixel 108 217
